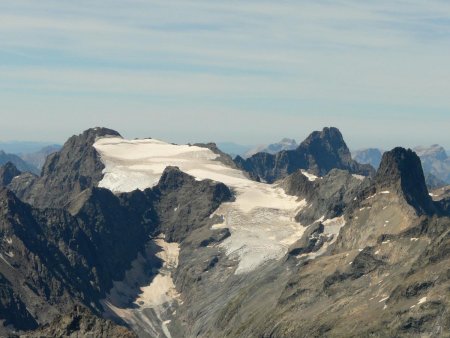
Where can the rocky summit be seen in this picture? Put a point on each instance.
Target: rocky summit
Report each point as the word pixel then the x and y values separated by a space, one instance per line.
pixel 145 238
pixel 321 152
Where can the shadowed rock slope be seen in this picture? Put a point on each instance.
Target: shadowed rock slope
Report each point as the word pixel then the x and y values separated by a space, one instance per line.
pixel 53 259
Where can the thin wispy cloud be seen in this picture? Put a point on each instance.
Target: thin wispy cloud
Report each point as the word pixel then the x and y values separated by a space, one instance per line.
pixel 240 65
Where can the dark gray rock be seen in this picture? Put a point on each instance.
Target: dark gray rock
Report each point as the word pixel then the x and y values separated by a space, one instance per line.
pixel 401 171
pixel 326 197
pixel 319 153
pixel 7 172
pixel 66 173
pixel 184 203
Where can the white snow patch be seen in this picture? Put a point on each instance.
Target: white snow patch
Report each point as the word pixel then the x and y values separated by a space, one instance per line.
pixel 321 219
pixel 158 295
pixel 8 240
pixel 414 239
pixel 377 252
pixel 162 289
pixel 382 300
pixel 10 254
pixel 422 300
pixel 332 228
pixel 359 177
pixel 259 233
pixel 386 242
pixel 261 219
pixel 310 177
pixel 385 192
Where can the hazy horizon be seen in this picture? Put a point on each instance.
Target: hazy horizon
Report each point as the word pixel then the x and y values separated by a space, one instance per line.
pixel 249 72
pixel 34 145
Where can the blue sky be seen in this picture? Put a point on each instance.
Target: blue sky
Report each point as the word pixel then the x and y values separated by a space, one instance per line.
pixel 244 71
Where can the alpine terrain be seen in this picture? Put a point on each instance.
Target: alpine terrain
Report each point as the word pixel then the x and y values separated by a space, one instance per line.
pixel 145 238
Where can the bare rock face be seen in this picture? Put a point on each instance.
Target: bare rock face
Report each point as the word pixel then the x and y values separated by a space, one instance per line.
pixel 184 203
pixel 401 171
pixel 319 153
pixel 68 172
pixel 53 259
pixel 327 197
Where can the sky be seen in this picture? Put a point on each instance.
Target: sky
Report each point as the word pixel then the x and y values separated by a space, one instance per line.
pixel 245 71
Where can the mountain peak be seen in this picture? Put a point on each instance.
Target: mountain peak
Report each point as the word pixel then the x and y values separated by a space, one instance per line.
pixel 67 172
pixel 93 133
pixel 435 151
pixel 401 170
pixel 319 153
pixel 326 150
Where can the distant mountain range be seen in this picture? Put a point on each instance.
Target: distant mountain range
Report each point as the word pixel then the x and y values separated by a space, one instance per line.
pixel 273 148
pixel 435 161
pixel 245 151
pixel 370 156
pixel 22 147
pixel 37 158
pixel 234 149
pixel 18 162
pixel 27 161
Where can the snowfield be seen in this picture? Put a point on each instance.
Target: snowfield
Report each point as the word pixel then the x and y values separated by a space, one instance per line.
pixel 261 220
